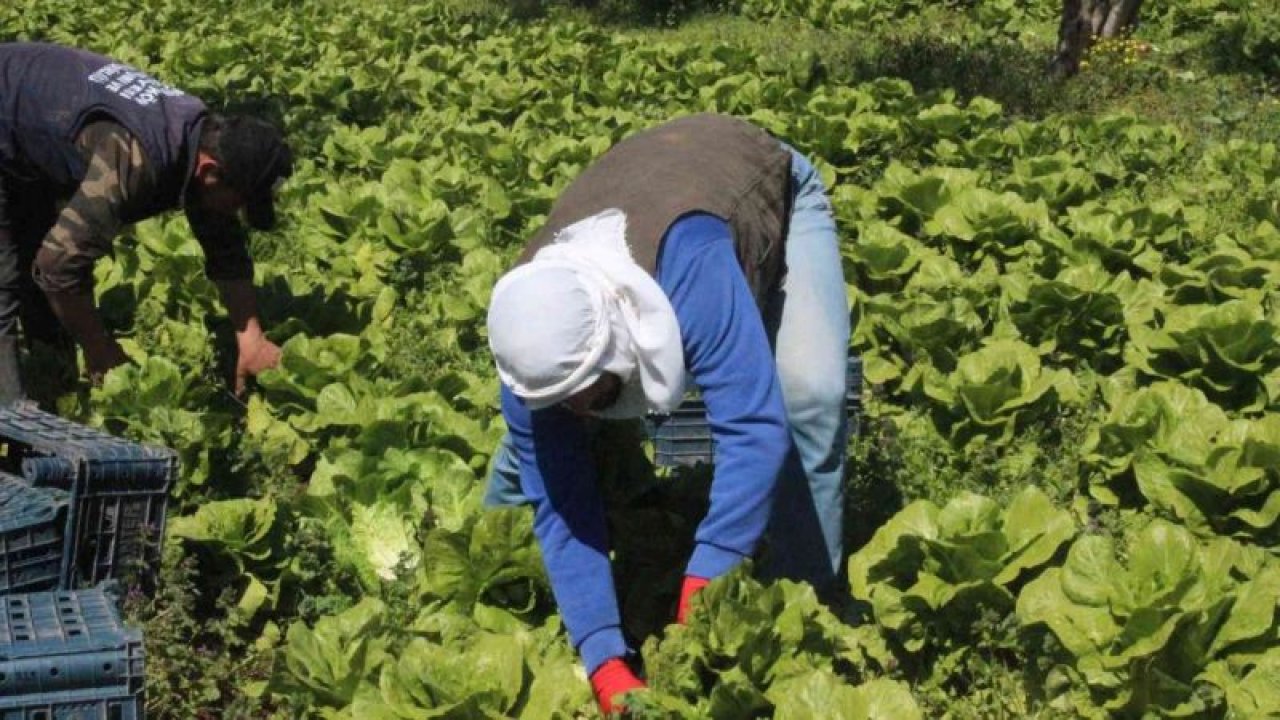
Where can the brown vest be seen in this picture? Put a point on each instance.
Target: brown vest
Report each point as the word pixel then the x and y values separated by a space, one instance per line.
pixel 708 163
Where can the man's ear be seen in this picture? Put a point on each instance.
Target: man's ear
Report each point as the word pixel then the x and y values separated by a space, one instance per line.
pixel 208 171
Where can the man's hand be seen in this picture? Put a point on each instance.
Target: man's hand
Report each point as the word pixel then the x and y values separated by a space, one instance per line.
pixel 692 585
pixel 610 681
pixel 79 316
pixel 99 357
pixel 254 355
pixel 254 352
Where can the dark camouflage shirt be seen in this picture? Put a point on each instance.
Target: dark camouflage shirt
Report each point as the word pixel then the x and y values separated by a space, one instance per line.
pixel 118 179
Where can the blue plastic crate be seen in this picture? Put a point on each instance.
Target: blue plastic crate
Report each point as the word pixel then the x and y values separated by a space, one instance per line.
pixel 853 395
pixel 683 438
pixel 119 490
pixel 32 521
pixel 76 705
pixel 66 646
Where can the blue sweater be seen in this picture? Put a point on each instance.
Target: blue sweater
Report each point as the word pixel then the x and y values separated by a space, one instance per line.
pixel 727 354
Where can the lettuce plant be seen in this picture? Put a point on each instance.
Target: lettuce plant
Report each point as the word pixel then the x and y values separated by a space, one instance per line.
pixel 1140 618
pixel 995 388
pixel 1227 350
pixel 930 570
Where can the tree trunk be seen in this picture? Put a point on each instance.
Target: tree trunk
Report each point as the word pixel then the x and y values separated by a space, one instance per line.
pixel 1083 22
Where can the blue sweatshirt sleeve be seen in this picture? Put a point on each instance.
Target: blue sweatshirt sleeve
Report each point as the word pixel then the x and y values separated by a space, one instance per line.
pixel 558 476
pixel 727 353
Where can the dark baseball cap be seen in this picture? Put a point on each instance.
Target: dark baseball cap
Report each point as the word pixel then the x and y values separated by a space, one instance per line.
pixel 254 158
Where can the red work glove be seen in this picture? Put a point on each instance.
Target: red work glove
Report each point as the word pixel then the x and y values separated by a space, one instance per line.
pixel 610 681
pixel 692 584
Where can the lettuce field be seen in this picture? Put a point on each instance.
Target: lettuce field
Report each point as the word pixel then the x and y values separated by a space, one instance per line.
pixel 1065 495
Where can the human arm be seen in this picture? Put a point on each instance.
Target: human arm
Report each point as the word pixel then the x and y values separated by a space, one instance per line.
pixel 728 355
pixel 228 264
pixel 83 232
pixel 558 476
pixel 254 352
pixel 80 317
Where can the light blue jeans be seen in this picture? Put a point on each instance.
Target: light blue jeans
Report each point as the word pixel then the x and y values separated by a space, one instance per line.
pixel 808 324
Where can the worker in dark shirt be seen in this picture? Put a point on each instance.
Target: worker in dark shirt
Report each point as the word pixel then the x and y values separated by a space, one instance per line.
pixel 88 145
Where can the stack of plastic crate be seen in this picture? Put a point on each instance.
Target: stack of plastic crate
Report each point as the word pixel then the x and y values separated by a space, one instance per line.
pixel 32 520
pixel 683 438
pixel 118 491
pixel 77 507
pixel 65 655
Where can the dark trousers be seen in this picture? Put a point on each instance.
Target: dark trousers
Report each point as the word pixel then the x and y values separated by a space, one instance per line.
pixel 27 212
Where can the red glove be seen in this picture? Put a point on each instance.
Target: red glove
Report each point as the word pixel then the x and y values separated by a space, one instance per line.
pixel 692 584
pixel 610 680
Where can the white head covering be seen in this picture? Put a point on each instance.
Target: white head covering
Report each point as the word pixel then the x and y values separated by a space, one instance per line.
pixel 582 307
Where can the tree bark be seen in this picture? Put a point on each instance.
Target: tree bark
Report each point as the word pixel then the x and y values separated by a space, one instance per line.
pixel 1084 22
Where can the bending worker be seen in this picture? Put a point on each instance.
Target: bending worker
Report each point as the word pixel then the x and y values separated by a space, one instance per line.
pixel 702 253
pixel 88 145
